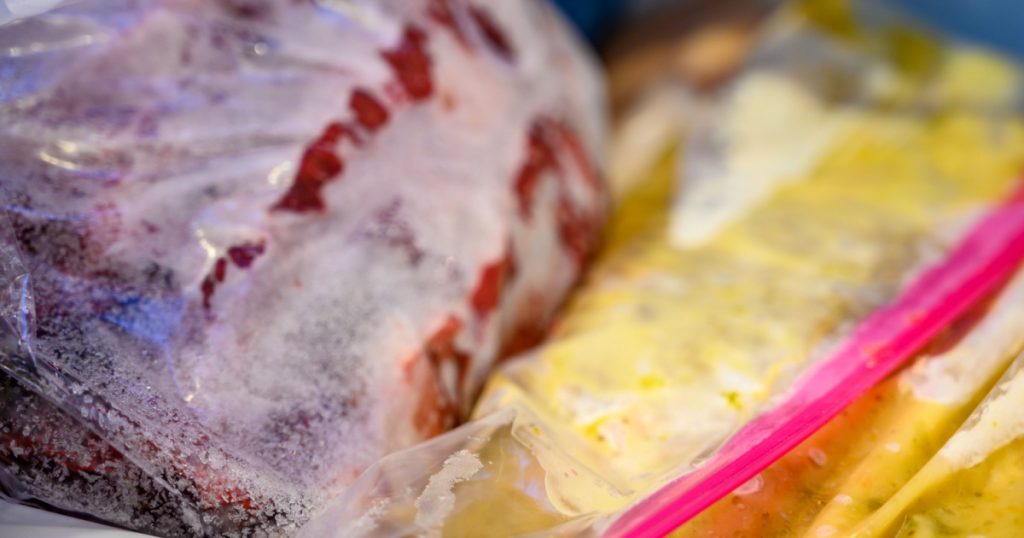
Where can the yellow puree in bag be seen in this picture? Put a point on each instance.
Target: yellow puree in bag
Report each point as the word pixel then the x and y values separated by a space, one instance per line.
pixel 665 351
pixel 937 450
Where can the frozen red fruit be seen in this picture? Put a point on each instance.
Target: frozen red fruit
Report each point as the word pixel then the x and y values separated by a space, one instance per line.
pixel 441 12
pixel 319 165
pixel 488 290
pixel 540 158
pixel 411 64
pixel 576 230
pixel 370 113
pixel 492 33
pixel 579 155
pixel 244 254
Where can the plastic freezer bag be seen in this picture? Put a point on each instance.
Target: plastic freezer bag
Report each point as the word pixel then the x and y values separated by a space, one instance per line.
pixel 249 247
pixel 889 155
pixel 933 451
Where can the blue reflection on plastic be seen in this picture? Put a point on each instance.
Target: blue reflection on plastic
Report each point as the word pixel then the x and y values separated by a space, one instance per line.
pixel 593 17
pixel 147 318
pixel 996 23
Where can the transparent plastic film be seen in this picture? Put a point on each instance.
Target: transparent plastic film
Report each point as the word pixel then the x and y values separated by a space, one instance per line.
pixel 248 248
pixel 877 347
pixel 932 450
pixel 901 219
pixel 12 10
pixel 815 60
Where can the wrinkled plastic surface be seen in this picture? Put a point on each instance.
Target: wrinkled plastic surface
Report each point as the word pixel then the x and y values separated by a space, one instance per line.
pixel 934 450
pixel 29 522
pixel 977 267
pixel 674 343
pixel 249 247
pixel 20 9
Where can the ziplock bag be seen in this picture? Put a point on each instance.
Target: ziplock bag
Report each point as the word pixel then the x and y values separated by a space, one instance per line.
pixel 249 247
pixel 932 451
pixel 846 181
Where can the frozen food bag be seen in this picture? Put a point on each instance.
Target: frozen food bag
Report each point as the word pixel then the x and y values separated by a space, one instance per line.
pixel 844 172
pixel 933 451
pixel 248 247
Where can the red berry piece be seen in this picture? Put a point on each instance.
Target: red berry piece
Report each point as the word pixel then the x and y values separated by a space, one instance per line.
pixel 411 64
pixel 370 113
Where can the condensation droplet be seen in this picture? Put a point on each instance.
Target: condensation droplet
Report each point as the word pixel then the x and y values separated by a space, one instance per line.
pixel 824 531
pixel 751 486
pixel 817 456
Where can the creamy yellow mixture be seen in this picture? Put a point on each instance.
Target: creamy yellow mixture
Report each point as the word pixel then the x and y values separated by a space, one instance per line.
pixel 666 351
pixel 937 450
pixel 894 464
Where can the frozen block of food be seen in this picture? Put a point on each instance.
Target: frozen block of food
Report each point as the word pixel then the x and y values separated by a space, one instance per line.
pixel 248 247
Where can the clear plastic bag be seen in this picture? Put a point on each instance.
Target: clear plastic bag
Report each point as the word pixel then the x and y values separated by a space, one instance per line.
pixel 20 9
pixel 894 463
pixel 248 247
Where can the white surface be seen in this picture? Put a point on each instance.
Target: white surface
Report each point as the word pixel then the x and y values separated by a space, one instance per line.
pixel 18 521
pixel 19 9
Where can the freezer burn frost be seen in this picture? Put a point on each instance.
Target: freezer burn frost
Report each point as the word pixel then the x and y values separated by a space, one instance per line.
pixel 255 246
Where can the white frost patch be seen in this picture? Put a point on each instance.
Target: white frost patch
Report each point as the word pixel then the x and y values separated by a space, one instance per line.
pixel 773 130
pixel 438 499
pixel 997 423
pixel 817 456
pixel 954 376
pixel 367 522
pixel 751 486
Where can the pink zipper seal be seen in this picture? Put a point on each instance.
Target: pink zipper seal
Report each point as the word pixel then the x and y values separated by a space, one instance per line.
pixel 983 260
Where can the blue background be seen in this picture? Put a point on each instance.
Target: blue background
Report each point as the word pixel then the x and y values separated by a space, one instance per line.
pixel 997 23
